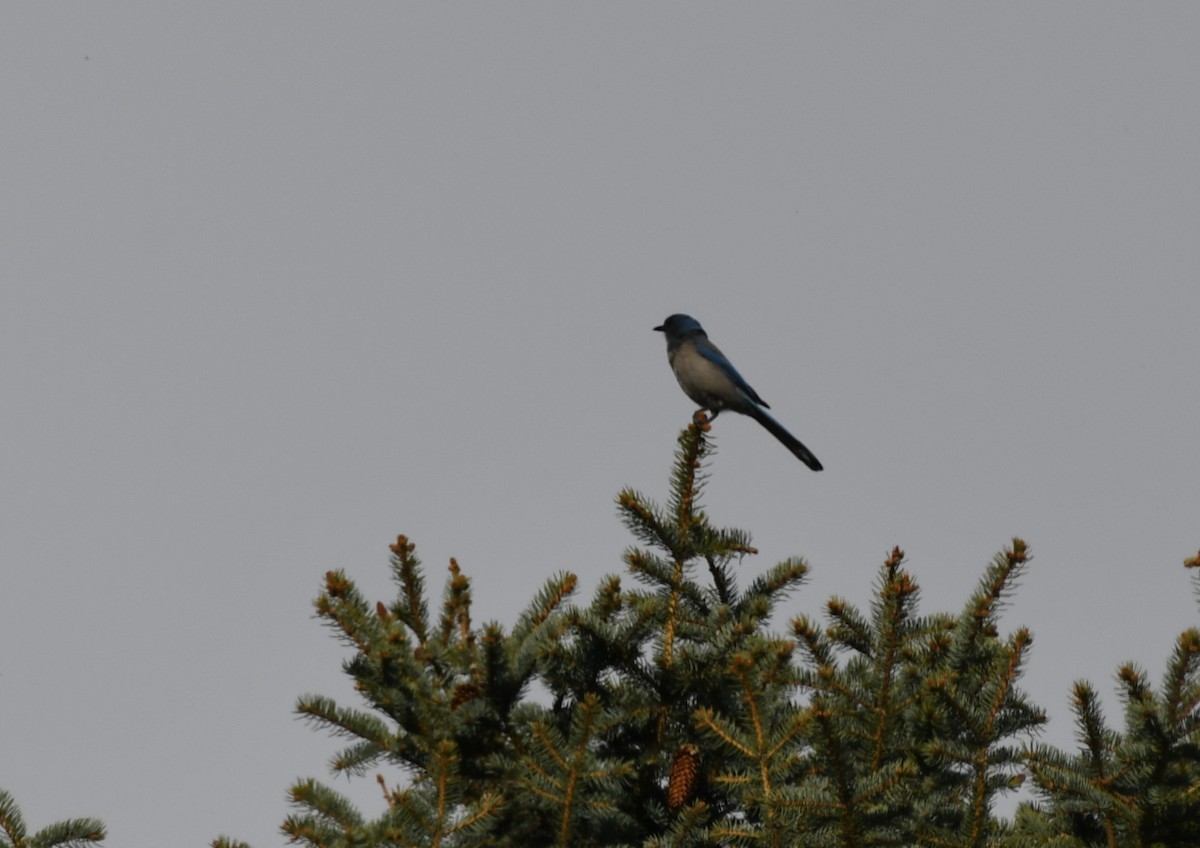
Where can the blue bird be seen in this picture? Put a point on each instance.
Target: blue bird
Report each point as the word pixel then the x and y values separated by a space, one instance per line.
pixel 708 378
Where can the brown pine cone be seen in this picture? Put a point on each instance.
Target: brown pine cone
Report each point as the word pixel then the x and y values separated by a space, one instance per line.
pixel 681 781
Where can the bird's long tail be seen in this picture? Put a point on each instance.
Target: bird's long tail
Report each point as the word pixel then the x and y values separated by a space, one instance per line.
pixel 780 432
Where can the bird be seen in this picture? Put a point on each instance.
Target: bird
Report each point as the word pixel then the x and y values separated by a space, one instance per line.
pixel 709 378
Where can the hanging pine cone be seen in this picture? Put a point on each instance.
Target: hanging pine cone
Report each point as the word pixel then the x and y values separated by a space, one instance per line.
pixel 681 781
pixel 464 692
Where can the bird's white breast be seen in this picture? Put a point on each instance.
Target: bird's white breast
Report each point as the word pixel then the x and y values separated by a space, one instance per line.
pixel 702 380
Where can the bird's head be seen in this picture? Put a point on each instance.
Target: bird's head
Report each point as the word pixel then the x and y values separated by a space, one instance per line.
pixel 679 326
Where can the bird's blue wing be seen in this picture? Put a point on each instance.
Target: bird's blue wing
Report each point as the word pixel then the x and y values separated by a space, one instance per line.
pixel 713 354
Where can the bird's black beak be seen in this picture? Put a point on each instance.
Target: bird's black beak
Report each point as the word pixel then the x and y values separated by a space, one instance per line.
pixel 659 329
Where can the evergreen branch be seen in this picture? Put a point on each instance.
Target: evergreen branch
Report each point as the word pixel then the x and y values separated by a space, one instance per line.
pixel 1013 656
pixel 724 582
pixel 455 625
pixel 228 842
pixel 343 608
pixel 325 803
pixel 1094 737
pixel 357 759
pixel 671 619
pixel 878 784
pixel 778 671
pixel 410 605
pixel 72 833
pixel 1180 690
pixel 11 821
pixel 311 831
pixel 608 601
pixel 592 645
pixel 688 477
pixel 342 721
pixel 775 585
pixel 500 673
pixel 546 603
pixel 839 768
pixel 331 820
pixel 721 544
pixel 819 651
pixel 565 773
pixel 645 522
pixel 1193 563
pixel 69 833
pixel 687 830
pixel 706 719
pixel 684 598
pixel 434 812
pixel 761 739
pixel 830 681
pixel 977 624
pixel 896 597
pixel 1136 692
pixel 649 568
pixel 719 548
pixel 742 669
pixel 849 628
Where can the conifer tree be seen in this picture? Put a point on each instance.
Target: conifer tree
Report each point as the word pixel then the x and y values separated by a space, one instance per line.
pixel 668 713
pixel 1136 788
pixel 912 738
pixel 611 755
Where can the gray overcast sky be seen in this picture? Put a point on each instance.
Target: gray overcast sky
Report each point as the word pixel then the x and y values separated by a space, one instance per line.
pixel 282 280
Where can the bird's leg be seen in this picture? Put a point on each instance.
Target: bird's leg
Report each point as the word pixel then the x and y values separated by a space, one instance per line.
pixel 703 417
